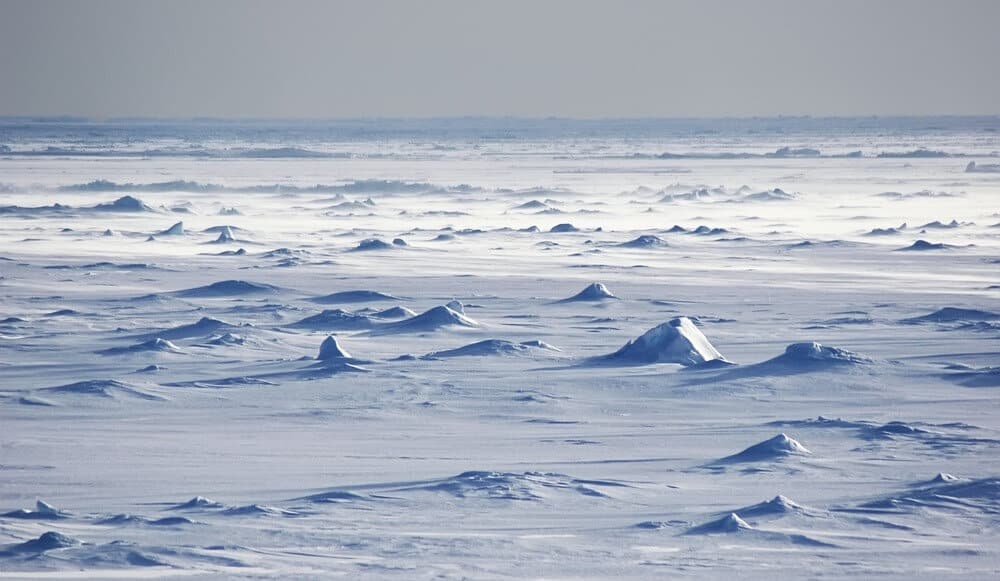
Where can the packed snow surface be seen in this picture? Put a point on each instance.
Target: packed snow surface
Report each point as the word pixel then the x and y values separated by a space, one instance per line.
pixel 632 349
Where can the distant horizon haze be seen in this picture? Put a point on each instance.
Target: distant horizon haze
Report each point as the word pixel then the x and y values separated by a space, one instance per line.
pixel 637 59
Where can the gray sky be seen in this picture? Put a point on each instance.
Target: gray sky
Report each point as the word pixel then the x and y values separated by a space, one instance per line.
pixel 230 58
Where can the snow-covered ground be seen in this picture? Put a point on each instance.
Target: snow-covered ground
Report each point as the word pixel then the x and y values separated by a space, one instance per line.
pixel 772 377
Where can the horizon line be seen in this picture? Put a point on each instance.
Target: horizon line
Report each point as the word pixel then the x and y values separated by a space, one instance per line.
pixel 68 118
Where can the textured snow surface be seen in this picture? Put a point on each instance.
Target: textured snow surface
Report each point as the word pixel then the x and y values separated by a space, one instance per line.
pixel 605 350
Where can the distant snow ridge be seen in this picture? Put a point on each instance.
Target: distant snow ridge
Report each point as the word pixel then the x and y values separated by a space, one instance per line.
pixel 430 320
pixel 676 341
pixel 228 288
pixel 595 291
pixel 776 448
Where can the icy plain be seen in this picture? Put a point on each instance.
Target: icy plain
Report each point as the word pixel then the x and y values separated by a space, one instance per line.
pixel 443 349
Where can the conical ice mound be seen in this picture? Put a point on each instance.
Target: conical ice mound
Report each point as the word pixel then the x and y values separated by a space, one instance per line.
pixel 676 341
pixel 330 350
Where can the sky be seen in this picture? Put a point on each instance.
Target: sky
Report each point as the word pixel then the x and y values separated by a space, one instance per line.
pixel 377 58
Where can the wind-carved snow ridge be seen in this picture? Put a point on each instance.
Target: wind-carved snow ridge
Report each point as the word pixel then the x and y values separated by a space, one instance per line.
pixel 676 341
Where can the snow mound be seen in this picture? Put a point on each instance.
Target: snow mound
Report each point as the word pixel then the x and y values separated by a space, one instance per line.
pixel 595 291
pixel 531 205
pixel 334 319
pixel 371 244
pixel 258 510
pixel 939 225
pixel 922 245
pixel 703 230
pixel 955 314
pixel 225 235
pixel 776 448
pixel 812 353
pixel 108 388
pixel 676 341
pixel 526 486
pixel 440 317
pixel 175 230
pixel 156 344
pixel 394 313
pixel 778 505
pixel 331 350
pixel 731 523
pixel 564 228
pixel 47 541
pixel 228 288
pixel 982 495
pixel 228 339
pixel 355 296
pixel 123 204
pixel 775 195
pixel 491 347
pixel 204 327
pixel 973 167
pixel 197 503
pixel 42 511
pixel 645 241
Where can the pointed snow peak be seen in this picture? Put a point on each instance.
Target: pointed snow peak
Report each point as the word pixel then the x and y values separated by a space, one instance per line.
pixel 676 341
pixel 331 349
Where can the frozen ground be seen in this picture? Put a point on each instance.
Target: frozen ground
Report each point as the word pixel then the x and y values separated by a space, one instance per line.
pixel 166 402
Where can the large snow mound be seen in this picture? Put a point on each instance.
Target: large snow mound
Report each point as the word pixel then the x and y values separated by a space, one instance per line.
pixel 676 341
